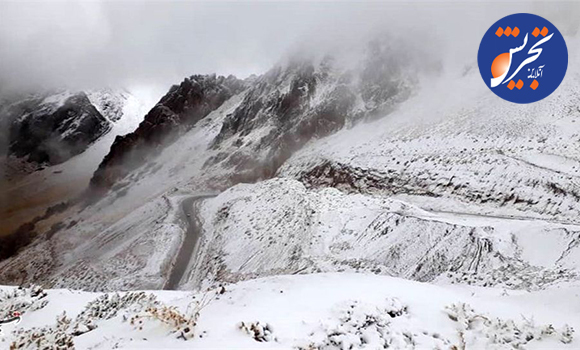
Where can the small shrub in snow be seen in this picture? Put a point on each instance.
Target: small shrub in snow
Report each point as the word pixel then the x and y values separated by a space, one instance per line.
pixel 22 300
pixel 395 308
pixel 260 332
pixel 107 306
pixel 567 333
pixel 479 330
pixel 181 324
pixel 361 326
pixel 49 338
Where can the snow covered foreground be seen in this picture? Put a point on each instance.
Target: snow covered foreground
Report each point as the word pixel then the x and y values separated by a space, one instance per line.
pixel 318 311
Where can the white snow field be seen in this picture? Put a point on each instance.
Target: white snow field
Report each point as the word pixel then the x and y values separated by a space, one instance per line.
pixel 316 311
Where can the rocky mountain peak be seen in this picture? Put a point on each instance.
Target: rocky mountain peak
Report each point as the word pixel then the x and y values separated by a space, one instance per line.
pixel 51 129
pixel 303 100
pixel 181 108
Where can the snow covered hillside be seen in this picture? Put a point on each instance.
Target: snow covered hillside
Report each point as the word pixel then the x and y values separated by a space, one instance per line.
pixel 455 147
pixel 419 172
pixel 107 245
pixel 320 311
pixel 454 153
pixel 279 226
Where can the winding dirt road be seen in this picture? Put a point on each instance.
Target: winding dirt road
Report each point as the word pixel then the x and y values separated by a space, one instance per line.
pixel 189 215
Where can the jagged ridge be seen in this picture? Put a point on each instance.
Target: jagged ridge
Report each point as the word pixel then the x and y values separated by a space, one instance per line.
pixel 181 108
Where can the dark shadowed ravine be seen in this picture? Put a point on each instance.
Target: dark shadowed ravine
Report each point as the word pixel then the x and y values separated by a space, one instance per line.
pixel 189 215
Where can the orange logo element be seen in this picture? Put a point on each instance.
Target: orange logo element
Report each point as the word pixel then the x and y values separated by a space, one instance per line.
pixel 537 32
pixel 520 84
pixel 514 32
pixel 534 84
pixel 500 64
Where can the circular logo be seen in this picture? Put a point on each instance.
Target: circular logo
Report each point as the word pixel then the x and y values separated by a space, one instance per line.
pixel 522 58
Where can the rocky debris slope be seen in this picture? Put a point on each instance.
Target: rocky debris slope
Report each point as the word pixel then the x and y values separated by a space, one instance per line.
pixel 180 109
pixel 280 227
pixel 108 260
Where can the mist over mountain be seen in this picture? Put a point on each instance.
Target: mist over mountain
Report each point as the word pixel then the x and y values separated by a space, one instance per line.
pixel 99 44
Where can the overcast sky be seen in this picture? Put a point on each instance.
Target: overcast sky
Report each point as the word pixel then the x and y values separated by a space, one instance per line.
pixel 93 44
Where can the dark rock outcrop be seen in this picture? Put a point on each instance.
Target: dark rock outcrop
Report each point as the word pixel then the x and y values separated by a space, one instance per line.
pixel 51 131
pixel 179 110
pixel 292 104
pixel 306 100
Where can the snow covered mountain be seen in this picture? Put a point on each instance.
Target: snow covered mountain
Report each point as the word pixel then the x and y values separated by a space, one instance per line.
pixel 29 188
pixel 50 128
pixel 182 107
pixel 427 152
pixel 299 100
pixel 53 129
pixel 379 167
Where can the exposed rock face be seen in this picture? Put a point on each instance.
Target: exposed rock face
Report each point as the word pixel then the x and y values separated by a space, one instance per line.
pixel 53 129
pixel 306 100
pixel 295 102
pixel 181 108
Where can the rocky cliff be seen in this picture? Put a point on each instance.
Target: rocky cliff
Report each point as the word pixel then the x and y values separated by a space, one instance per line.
pixel 181 108
pixel 51 129
pixel 299 100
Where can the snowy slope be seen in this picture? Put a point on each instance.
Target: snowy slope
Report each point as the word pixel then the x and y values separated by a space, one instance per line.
pixel 136 222
pixel 461 151
pixel 279 226
pixel 455 146
pixel 318 311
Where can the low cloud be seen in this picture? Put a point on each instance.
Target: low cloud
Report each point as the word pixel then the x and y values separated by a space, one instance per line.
pixel 97 44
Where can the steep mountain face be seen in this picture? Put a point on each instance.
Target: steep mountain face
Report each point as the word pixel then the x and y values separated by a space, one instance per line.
pixel 304 100
pixel 28 188
pixel 48 128
pixel 181 108
pixel 298 101
pixel 53 129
